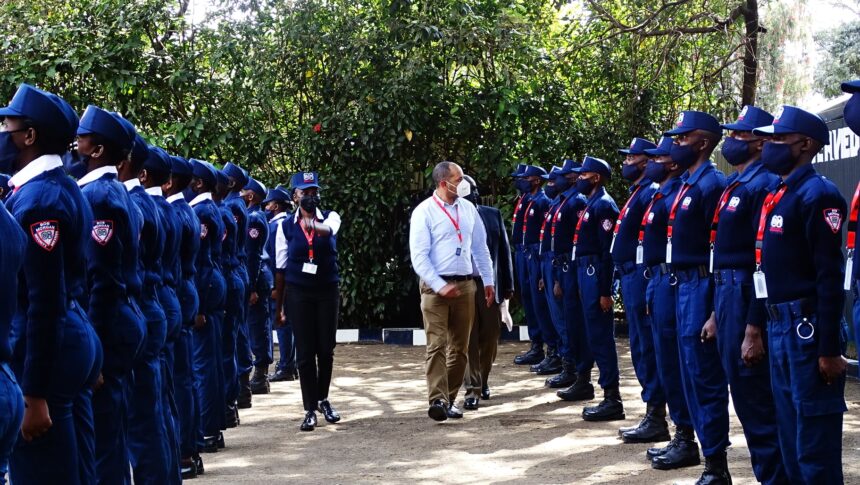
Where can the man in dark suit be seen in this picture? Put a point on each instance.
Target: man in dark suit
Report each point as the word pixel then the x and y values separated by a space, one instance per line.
pixel 484 339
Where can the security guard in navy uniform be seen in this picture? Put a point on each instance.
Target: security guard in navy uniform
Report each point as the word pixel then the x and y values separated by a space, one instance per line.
pixel 683 450
pixel 186 291
pixel 798 285
pixel 277 203
pixel 688 254
pixel 56 354
pixel 557 184
pixel 653 426
pixel 851 115
pixel 237 179
pixel 533 218
pixel 262 280
pixel 148 438
pixel 578 359
pixel 112 256
pixel 592 239
pixel 535 354
pixel 156 172
pixel 733 263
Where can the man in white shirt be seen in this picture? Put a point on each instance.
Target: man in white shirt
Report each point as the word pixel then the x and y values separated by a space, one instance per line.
pixel 445 236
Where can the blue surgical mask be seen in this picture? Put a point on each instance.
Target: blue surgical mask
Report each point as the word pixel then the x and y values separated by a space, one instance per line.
pixel 189 194
pixel 551 191
pixel 8 152
pixel 777 157
pixel 631 172
pixel 269 214
pixel 584 186
pixel 523 186
pixel 683 155
pixel 851 113
pixel 736 151
pixel 655 171
pixel 562 184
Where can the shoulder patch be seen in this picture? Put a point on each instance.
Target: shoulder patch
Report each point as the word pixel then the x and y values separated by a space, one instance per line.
pixel 46 234
pixel 102 231
pixel 254 233
pixel 204 231
pixel 606 224
pixel 686 202
pixel 833 218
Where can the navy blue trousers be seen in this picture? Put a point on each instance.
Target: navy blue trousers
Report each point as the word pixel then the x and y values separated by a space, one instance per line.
pixel 260 329
pixel 705 385
pixel 555 306
pixel 173 313
pixel 538 298
pixel 750 386
pixel 244 359
pixel 599 325
pixel 234 314
pixel 206 360
pixel 574 321
pixel 808 411
pixel 183 371
pixel 660 295
pixel 642 353
pixel 521 272
pixel 12 400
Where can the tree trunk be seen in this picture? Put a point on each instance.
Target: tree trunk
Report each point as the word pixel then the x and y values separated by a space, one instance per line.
pixel 750 80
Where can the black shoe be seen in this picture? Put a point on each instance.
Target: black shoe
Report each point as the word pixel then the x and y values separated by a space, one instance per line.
pixel 210 445
pixel 652 428
pixel 682 451
pixel 281 375
pixel 566 379
pixel 231 416
pixel 244 400
pixel 533 356
pixel 454 412
pixel 188 469
pixel 310 421
pixel 485 393
pixel 438 411
pixel 198 464
pixel 716 471
pixel 550 366
pixel 471 403
pixel 540 365
pixel 610 409
pixel 260 382
pixel 328 412
pixel 581 390
pixel 220 441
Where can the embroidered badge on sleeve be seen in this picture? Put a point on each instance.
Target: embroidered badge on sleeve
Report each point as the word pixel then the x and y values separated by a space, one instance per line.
pixel 46 234
pixel 102 231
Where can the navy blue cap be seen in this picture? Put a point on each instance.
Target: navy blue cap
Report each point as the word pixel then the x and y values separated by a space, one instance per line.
pixel 695 120
pixel 595 165
pixel 518 172
pixel 851 86
pixel 277 194
pixel 98 121
pixel 638 147
pixel 256 186
pixel 37 105
pixel 4 181
pixel 791 119
pixel 304 180
pixel 750 118
pixel 158 160
pixel 180 166
pixel 553 173
pixel 140 150
pixel 663 147
pixel 532 170
pixel 204 171
pixel 69 114
pixel 221 177
pixel 236 172
pixel 570 166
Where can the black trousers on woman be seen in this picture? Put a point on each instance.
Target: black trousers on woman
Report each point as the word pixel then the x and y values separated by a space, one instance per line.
pixel 314 314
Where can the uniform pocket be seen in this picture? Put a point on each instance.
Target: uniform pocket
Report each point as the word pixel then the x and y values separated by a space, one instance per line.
pixel 823 407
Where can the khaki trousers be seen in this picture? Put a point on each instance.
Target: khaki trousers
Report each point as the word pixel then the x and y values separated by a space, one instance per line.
pixel 483 344
pixel 447 323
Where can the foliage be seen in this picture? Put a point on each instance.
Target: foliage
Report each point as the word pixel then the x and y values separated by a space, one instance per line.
pixel 372 93
pixel 841 60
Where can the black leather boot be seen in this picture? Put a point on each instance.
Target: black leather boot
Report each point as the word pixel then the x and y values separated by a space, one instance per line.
pixel 610 409
pixel 244 401
pixel 565 379
pixel 550 365
pixel 533 356
pixel 260 381
pixel 716 470
pixel 653 426
pixel 231 416
pixel 682 451
pixel 581 390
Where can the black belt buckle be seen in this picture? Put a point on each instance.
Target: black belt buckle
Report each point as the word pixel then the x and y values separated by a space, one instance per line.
pixel 773 312
pixel 718 277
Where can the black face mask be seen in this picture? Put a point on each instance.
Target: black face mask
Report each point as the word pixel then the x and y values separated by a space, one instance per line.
pixel 310 202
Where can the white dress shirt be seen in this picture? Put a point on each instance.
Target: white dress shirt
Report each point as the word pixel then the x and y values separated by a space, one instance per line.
pixel 35 168
pixel 96 174
pixel 434 245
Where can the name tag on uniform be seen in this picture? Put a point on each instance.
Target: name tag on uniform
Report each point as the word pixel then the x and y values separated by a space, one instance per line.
pixel 640 254
pixel 309 268
pixel 459 251
pixel 760 285
pixel 849 273
pixel 669 252
pixel 711 264
pixel 612 245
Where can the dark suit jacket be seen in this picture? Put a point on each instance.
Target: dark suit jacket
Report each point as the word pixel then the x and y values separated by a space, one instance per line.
pixel 500 250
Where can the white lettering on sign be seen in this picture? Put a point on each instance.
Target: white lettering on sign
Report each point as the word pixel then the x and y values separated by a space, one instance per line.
pixel 844 143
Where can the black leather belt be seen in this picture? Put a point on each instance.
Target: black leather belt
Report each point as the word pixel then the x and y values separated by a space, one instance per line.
pixel 457 277
pixel 804 307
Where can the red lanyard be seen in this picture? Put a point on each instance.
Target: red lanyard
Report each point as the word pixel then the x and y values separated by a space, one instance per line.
pixel 309 236
pixel 517 209
pixel 674 209
pixel 769 203
pixel 723 200
pixel 579 223
pixel 551 217
pixel 557 215
pixel 455 222
pixel 625 209
pixel 526 219
pixel 852 219
pixel 644 222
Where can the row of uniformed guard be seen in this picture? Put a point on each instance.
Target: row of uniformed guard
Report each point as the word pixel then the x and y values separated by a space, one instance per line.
pixel 146 294
pixel 729 284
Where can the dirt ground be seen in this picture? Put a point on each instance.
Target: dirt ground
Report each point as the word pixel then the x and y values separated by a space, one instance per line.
pixel 524 434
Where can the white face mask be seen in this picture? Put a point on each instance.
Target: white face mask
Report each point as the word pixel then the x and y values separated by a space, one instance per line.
pixel 463 188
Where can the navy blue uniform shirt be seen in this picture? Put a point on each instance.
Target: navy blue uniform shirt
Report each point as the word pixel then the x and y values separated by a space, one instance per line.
pixel 189 246
pixel 172 234
pixel 627 232
pixel 229 248
pixel 546 225
pixel 11 257
pixel 210 233
pixel 691 231
pixel 566 220
pixel 151 236
pixel 802 253
pixel 654 237
pixel 595 235
pixel 517 223
pixel 258 235
pixel 533 214
pixel 57 219
pixel 237 206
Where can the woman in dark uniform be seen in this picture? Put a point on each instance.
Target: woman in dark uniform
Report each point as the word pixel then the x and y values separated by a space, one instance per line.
pixel 306 262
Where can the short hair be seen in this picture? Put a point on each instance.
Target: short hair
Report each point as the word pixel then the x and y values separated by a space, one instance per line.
pixel 442 171
pixel 158 177
pixel 113 153
pixel 50 141
pixel 181 180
